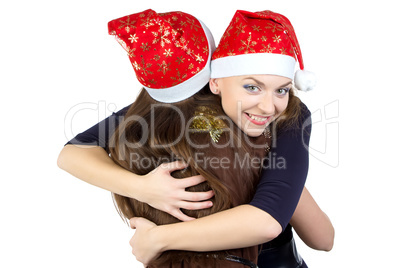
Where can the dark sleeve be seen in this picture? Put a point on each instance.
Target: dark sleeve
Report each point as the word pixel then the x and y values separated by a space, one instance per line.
pixel 285 171
pixel 100 133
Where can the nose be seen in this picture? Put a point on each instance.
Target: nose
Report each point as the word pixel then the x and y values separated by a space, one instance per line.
pixel 266 104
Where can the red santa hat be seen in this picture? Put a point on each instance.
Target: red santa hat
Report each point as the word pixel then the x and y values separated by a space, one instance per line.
pixel 170 52
pixel 260 43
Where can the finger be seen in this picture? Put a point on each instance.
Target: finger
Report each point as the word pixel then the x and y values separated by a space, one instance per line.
pixel 191 181
pixel 196 205
pixel 181 216
pixel 197 196
pixel 172 166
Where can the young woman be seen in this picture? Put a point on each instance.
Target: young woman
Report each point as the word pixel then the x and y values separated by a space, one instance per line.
pixel 254 61
pixel 117 187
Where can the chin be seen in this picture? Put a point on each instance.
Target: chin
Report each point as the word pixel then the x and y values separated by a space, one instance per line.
pixel 254 133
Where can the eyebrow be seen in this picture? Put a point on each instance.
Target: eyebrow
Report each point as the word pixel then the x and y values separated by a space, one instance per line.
pixel 262 84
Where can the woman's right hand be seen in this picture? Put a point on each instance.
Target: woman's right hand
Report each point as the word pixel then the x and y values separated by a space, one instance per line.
pixel 144 243
pixel 169 194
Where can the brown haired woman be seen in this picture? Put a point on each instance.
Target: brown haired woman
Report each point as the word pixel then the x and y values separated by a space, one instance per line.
pixel 234 186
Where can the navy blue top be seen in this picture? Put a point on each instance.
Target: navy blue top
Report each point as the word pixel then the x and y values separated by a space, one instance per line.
pixel 285 169
pixel 283 178
pixel 100 133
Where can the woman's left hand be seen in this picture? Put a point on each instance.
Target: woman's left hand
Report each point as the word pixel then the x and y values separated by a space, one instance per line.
pixel 144 246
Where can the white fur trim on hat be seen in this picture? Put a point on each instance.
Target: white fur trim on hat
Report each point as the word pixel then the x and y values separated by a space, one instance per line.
pixel 191 86
pixel 253 63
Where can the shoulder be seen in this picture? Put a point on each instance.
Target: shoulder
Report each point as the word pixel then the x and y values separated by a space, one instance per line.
pixel 304 120
pixel 304 111
pixel 122 112
pixel 301 124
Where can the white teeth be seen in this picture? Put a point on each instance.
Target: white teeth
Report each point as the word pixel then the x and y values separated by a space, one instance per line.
pixel 256 118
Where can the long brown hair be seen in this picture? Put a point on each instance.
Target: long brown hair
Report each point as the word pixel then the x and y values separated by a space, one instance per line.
pixel 148 137
pixel 134 139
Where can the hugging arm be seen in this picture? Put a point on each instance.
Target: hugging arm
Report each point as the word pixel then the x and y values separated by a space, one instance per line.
pixel 87 158
pixel 311 224
pixel 270 211
pixel 241 226
pixel 238 227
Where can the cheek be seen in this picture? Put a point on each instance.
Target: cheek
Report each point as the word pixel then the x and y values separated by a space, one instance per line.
pixel 229 104
pixel 282 104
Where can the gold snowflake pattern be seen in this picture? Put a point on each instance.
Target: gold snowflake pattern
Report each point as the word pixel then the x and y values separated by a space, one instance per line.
pixel 147 22
pixel 133 38
pixel 256 28
pixel 145 66
pixel 179 60
pixel 164 67
pixel 197 70
pixel 267 48
pixel 277 38
pixel 231 52
pixel 247 45
pixel 136 66
pixel 128 24
pixel 152 82
pixel 227 33
pixel 178 78
pixel 193 24
pixel 196 40
pixel 130 52
pixel 199 58
pixel 168 52
pixel 240 29
pixel 157 57
pixel 162 36
pixel 274 27
pixel 145 47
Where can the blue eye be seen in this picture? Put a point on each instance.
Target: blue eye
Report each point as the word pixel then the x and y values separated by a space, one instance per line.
pixel 251 88
pixel 283 91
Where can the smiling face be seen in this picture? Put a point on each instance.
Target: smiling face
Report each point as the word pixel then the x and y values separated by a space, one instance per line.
pixel 253 101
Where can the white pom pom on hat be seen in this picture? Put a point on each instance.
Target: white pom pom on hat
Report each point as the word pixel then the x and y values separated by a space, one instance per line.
pixel 305 80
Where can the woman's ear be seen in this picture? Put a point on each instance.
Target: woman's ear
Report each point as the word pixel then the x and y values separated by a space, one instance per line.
pixel 213 85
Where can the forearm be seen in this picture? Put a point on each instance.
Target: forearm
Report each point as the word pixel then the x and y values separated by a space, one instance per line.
pixel 93 165
pixel 312 225
pixel 239 227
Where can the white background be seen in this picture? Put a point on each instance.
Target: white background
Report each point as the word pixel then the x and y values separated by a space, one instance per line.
pixel 61 72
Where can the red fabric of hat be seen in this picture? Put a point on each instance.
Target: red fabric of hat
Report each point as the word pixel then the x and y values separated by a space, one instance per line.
pixel 166 50
pixel 258 32
pixel 258 43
